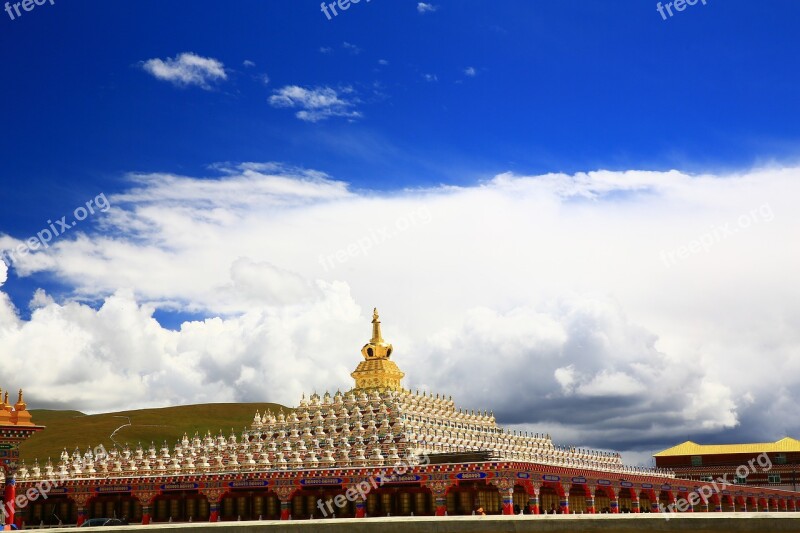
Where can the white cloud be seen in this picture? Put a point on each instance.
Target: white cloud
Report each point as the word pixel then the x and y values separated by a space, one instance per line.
pixel 248 63
pixel 353 49
pixel 325 50
pixel 470 71
pixel 187 69
pixel 544 298
pixel 317 103
pixel 422 7
pixel 430 77
pixel 383 62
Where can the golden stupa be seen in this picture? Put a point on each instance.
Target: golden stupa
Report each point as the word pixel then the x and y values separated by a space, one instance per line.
pixel 377 370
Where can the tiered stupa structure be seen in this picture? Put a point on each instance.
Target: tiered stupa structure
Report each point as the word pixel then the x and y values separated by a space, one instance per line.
pixel 376 449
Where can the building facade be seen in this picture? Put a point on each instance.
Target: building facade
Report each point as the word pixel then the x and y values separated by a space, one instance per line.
pixel 375 450
pixel 775 465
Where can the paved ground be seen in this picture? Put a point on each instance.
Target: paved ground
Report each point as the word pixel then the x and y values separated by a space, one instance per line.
pixel 622 523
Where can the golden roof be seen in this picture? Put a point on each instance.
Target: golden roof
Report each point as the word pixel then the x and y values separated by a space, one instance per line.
pixel 786 444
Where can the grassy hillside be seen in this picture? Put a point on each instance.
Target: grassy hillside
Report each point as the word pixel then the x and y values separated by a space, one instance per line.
pixel 68 429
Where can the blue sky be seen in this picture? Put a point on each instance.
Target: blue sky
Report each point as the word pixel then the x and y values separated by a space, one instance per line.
pixel 318 128
pixel 559 86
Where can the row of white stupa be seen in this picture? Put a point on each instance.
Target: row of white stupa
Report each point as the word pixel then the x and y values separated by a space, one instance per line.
pixel 339 431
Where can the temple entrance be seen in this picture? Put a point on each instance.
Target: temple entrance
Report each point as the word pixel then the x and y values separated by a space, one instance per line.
pixel 625 500
pixel 249 505
pixel 121 506
pixel 751 504
pixel 328 498
pixel 489 499
pixel 665 499
pixel 577 499
pixel 52 512
pixel 645 503
pixel 726 501
pixel 520 498
pixel 463 499
pixel 602 503
pixel 181 506
pixel 400 501
pixel 549 500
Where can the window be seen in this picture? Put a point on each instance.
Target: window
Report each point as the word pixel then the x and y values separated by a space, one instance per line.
pixel 708 479
pixel 779 459
pixel 740 480
pixel 774 478
pixel 697 460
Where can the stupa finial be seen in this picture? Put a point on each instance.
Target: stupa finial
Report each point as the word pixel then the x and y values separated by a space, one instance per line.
pixel 376 327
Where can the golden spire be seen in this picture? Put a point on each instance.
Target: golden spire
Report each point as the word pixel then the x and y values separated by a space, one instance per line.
pixel 20 403
pixel 20 416
pixel 377 371
pixel 376 327
pixel 376 348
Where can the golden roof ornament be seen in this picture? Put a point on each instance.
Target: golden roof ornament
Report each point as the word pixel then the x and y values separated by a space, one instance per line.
pixel 377 371
pixel 20 405
pixel 376 348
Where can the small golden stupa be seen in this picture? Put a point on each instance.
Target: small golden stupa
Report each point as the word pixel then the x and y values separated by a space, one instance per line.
pixel 377 371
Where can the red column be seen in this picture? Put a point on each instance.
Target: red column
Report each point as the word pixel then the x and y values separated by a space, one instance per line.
pixel 590 499
pixel 613 500
pixel 214 512
pixel 145 514
pixel 10 497
pixel 286 509
pixel 361 508
pixel 564 498
pixel 533 504
pixel 81 516
pixel 440 503
pixel 507 500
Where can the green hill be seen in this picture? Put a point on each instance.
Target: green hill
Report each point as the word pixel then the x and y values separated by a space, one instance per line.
pixel 68 429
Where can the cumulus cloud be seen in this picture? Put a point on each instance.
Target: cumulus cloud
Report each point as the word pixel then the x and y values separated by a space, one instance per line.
pixel 187 69
pixel 317 103
pixel 544 298
pixel 470 71
pixel 422 7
